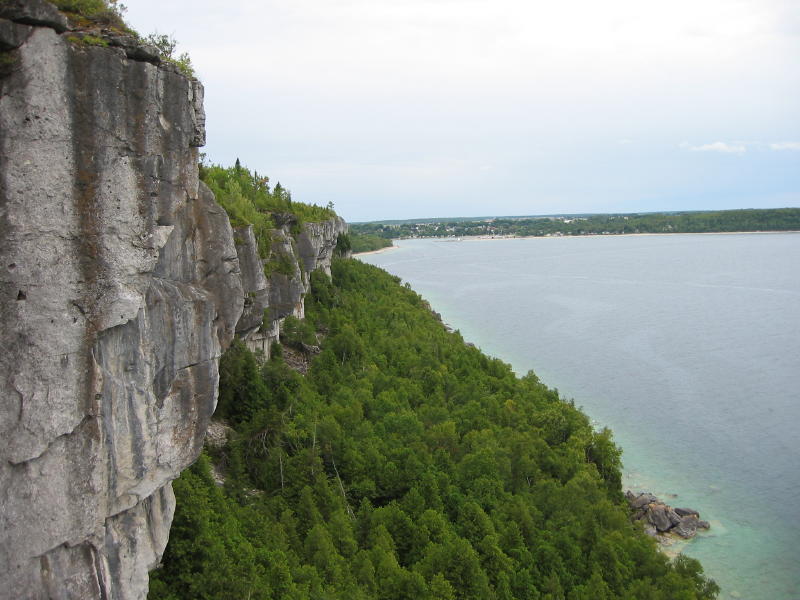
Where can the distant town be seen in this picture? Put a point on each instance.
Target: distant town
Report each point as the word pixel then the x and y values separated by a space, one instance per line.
pixel 378 234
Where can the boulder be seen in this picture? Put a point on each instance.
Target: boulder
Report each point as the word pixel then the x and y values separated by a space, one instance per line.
pixel 643 500
pixel 673 516
pixel 687 527
pixel 657 514
pixel 686 512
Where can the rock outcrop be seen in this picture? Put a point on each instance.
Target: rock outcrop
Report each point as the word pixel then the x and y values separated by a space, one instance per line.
pixel 122 284
pixel 660 519
pixel 293 257
pixel 120 290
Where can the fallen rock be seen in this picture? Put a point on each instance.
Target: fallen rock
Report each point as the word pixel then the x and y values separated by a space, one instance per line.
pixel 217 434
pixel 657 515
pixel 643 500
pixel 673 516
pixel 310 349
pixel 687 527
pixel 659 518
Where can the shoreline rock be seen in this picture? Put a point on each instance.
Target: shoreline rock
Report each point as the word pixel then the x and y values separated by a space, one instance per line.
pixel 660 519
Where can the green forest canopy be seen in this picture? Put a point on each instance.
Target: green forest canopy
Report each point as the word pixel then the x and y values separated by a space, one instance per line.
pixel 404 465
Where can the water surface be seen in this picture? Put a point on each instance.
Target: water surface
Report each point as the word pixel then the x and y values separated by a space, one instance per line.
pixel 686 346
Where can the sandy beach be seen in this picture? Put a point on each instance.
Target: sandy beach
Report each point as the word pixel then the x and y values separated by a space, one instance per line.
pixel 379 251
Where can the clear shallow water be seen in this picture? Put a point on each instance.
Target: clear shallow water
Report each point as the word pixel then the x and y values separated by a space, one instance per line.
pixel 687 346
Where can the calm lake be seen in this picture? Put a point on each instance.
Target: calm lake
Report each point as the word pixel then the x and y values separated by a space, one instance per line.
pixel 686 346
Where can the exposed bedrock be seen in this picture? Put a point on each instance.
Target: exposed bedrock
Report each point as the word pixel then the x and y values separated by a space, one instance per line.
pixel 292 258
pixel 122 284
pixel 120 289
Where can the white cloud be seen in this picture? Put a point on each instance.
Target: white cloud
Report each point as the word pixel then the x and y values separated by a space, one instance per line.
pixel 310 90
pixel 723 147
pixel 785 146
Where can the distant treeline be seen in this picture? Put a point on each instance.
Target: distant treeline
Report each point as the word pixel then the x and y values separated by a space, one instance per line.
pixel 772 219
pixel 368 242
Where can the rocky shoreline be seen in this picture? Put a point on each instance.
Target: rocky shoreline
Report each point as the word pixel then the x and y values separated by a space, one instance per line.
pixel 661 520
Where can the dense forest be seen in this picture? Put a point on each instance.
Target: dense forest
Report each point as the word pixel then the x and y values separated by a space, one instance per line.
pixel 773 219
pixel 403 464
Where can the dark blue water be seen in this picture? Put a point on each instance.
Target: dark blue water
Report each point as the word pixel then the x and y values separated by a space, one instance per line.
pixel 687 346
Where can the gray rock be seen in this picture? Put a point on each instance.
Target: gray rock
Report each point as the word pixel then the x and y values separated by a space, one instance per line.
pixel 134 48
pixel 197 114
pixel 284 291
pixel 120 289
pixel 687 527
pixel 642 500
pixel 703 524
pixel 12 35
pixel 34 12
pixel 309 348
pixel 254 282
pixel 316 243
pixel 657 515
pixel 673 516
pixel 687 511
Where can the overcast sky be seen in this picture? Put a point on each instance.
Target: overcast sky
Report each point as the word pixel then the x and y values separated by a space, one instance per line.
pixel 433 108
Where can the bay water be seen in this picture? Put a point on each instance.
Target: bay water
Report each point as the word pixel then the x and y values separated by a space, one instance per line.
pixel 686 346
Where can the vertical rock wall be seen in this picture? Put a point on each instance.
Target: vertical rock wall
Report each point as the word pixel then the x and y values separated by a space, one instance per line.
pixel 121 283
pixel 120 288
pixel 283 292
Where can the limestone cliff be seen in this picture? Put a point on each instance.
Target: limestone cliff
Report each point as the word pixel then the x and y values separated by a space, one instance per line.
pixel 121 287
pixel 282 293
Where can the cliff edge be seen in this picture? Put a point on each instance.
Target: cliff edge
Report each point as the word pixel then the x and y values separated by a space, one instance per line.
pixel 121 287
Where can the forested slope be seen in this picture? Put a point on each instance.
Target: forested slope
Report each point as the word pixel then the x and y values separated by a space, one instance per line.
pixel 405 464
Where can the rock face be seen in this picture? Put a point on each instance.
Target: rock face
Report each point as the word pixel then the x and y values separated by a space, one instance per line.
pixel 122 284
pixel 292 259
pixel 120 289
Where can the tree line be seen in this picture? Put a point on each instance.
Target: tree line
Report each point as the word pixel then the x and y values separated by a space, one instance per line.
pixel 773 219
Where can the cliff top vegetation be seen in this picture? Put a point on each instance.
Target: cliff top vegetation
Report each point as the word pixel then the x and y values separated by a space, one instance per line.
pixel 98 12
pixel 249 199
pixel 96 18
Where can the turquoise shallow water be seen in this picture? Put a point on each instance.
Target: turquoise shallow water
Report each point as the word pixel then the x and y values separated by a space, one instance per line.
pixel 687 346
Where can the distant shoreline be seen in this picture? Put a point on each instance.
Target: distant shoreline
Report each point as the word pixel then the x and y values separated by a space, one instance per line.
pixel 488 238
pixel 378 251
